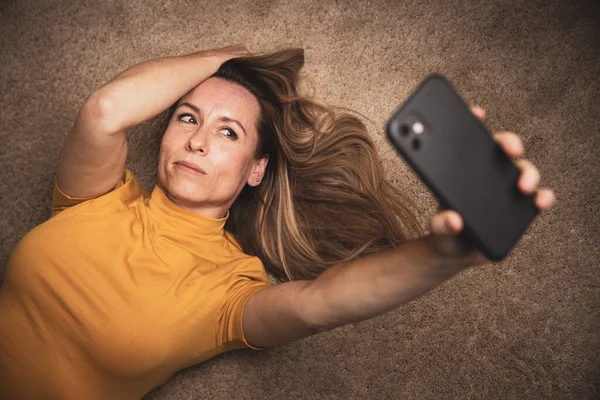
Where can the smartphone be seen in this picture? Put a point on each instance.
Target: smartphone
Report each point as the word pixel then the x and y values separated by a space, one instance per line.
pixel 454 154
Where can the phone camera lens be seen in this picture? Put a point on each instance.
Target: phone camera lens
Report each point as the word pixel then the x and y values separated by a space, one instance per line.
pixel 405 130
pixel 416 144
pixel 418 128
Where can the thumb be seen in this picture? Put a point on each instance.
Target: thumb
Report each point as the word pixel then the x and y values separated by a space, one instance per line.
pixel 446 223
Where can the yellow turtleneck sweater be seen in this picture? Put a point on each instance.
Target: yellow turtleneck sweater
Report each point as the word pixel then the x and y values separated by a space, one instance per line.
pixel 113 295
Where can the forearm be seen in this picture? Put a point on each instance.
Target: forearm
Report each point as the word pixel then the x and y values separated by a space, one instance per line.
pixel 375 284
pixel 146 89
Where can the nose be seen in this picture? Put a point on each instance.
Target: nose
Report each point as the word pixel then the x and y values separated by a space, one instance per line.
pixel 198 142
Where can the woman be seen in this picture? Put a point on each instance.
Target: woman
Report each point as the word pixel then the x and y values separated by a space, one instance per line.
pixel 121 288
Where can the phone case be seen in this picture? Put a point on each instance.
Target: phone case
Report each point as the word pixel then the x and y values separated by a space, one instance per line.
pixel 457 158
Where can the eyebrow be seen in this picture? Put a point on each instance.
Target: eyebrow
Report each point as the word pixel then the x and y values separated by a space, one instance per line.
pixel 224 119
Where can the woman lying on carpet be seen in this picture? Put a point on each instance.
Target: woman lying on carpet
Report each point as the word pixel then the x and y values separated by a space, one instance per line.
pixel 121 287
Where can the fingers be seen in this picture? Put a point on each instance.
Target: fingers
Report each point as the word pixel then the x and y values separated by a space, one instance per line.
pixel 479 112
pixel 530 176
pixel 545 199
pixel 236 49
pixel 511 143
pixel 450 223
pixel 446 223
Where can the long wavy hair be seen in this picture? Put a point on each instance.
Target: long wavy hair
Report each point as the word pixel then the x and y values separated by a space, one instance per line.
pixel 323 199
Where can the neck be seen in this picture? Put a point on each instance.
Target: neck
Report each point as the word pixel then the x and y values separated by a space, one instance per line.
pixel 211 212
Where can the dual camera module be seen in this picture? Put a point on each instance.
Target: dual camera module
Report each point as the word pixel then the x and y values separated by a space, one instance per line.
pixel 417 129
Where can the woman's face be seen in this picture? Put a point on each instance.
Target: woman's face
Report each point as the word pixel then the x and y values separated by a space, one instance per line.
pixel 214 127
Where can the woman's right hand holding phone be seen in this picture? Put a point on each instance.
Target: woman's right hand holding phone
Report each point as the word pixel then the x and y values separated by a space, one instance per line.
pixel 446 225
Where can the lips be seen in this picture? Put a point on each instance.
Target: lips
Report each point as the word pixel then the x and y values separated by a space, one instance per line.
pixel 192 166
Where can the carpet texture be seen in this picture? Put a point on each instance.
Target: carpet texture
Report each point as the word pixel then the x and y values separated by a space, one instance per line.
pixel 525 328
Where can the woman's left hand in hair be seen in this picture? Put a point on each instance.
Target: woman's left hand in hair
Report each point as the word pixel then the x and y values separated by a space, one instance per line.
pixel 446 225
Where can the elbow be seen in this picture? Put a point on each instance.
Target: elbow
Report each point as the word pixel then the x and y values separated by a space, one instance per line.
pixel 98 111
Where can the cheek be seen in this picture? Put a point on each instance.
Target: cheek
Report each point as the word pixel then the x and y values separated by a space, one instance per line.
pixel 168 147
pixel 163 155
pixel 231 165
pixel 227 163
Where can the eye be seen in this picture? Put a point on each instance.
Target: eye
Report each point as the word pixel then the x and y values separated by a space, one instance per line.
pixel 230 133
pixel 191 120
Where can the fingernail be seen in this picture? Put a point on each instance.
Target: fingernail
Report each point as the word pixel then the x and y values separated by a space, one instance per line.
pixel 526 185
pixel 531 184
pixel 449 228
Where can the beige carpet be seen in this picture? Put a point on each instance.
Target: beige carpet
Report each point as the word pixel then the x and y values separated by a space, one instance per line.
pixel 525 328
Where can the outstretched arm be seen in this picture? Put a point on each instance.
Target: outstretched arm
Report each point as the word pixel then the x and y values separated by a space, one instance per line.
pixel 377 283
pixel 345 293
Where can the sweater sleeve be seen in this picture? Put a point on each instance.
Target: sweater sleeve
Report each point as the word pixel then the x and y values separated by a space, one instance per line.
pixel 62 201
pixel 244 283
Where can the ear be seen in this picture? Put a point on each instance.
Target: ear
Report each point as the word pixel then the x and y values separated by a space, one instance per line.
pixel 258 171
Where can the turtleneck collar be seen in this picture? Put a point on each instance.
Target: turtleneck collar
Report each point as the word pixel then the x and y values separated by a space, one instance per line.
pixel 174 220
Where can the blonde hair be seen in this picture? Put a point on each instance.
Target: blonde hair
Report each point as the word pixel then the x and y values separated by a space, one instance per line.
pixel 323 199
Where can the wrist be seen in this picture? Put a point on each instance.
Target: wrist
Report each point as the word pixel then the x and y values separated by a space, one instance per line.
pixel 450 263
pixel 208 60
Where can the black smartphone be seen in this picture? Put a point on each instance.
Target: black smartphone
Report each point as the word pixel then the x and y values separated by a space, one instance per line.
pixel 455 155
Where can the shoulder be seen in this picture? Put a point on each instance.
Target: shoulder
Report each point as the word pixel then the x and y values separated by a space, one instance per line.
pixel 125 191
